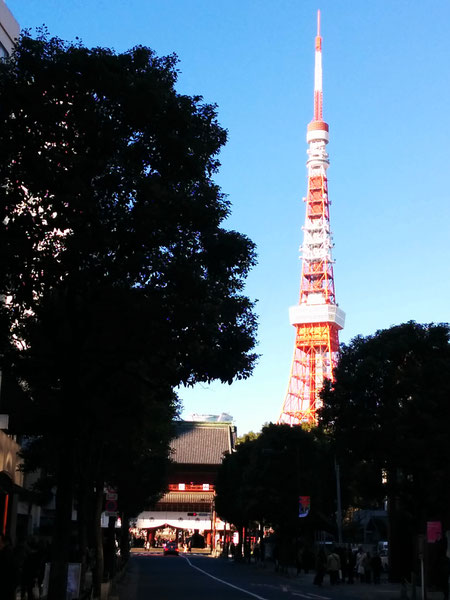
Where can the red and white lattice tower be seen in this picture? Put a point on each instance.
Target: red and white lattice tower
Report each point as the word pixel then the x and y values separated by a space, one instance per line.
pixel 317 318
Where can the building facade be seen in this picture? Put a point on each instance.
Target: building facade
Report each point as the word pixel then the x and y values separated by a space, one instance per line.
pixel 9 30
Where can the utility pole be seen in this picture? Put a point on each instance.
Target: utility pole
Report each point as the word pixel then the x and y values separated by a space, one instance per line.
pixel 338 497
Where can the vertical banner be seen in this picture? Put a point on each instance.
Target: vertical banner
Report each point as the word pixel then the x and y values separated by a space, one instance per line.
pixel 304 505
pixel 434 531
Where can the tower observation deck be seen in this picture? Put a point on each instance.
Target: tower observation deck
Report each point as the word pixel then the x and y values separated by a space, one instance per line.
pixel 317 318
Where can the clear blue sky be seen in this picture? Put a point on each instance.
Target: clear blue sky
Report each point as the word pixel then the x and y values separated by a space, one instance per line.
pixel 386 98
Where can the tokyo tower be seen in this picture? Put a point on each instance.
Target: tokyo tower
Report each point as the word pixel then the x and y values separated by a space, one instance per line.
pixel 317 318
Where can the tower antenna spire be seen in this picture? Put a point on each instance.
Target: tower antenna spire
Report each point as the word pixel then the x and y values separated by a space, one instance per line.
pixel 318 95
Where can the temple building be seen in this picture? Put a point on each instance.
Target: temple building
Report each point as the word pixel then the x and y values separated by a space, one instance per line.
pixel 188 504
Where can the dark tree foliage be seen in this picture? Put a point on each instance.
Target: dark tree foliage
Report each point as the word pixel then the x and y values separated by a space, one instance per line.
pixel 120 282
pixel 264 478
pixel 388 411
pixel 106 178
pixel 231 503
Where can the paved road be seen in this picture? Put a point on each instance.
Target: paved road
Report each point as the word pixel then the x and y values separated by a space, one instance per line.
pixel 191 577
pixel 158 577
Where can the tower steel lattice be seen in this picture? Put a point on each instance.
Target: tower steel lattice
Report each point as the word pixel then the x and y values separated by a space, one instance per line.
pixel 317 318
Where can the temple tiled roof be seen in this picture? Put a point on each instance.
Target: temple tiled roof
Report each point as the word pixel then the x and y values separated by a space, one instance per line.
pixel 202 443
pixel 187 497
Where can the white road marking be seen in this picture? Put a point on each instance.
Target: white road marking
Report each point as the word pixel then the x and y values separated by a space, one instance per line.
pixel 222 581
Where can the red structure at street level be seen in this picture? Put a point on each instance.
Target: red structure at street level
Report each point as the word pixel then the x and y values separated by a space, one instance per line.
pixel 317 318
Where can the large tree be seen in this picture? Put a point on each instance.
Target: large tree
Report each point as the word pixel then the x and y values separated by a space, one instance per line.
pixel 119 280
pixel 388 411
pixel 263 480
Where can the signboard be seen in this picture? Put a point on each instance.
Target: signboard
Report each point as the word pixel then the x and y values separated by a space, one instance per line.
pixel 304 505
pixel 434 531
pixel 111 502
pixel 111 506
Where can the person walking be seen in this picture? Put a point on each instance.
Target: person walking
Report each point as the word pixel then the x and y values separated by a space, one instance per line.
pixel 367 564
pixel 321 565
pixel 376 567
pixel 343 560
pixel 351 565
pixel 360 558
pixel 308 559
pixel 333 566
pixel 8 569
pixel 298 560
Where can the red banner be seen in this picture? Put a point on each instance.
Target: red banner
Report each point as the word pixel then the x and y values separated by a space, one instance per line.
pixel 304 506
pixel 434 531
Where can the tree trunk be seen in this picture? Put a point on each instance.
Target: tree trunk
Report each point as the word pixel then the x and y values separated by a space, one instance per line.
pixel 125 538
pixel 400 533
pixel 97 527
pixel 83 519
pixel 63 524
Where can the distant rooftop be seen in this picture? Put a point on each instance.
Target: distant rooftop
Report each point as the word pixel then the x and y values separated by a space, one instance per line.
pixel 222 418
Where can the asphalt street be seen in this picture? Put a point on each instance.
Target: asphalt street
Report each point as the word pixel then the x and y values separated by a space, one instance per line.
pixel 199 577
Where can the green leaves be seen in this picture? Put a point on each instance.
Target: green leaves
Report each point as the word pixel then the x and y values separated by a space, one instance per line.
pixel 121 282
pixel 388 410
pixel 263 479
pixel 105 174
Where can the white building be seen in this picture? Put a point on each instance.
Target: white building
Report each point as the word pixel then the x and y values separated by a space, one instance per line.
pixel 9 30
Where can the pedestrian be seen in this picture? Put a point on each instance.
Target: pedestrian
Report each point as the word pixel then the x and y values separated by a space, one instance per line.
pixel 351 564
pixel 321 565
pixel 308 559
pixel 360 558
pixel 377 567
pixel 333 566
pixel 247 551
pixel 367 564
pixel 343 560
pixel 276 556
pixel 8 569
pixel 298 560
pixel 263 550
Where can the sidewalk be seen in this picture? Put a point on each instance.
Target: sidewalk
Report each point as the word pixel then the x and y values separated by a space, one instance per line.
pixel 359 591
pixel 303 583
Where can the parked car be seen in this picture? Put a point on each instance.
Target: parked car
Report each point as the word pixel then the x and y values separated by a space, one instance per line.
pixel 171 548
